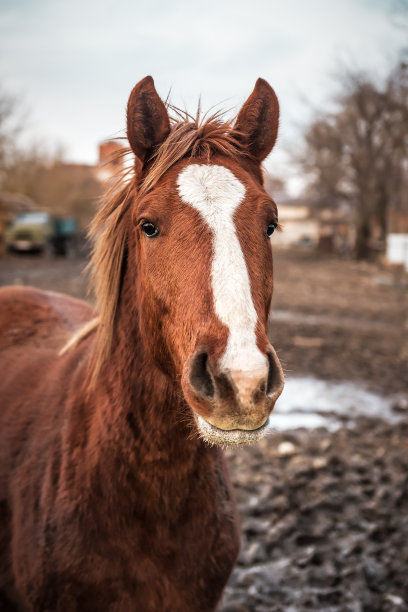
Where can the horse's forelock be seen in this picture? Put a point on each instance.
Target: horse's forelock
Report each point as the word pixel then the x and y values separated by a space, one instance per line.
pixel 194 138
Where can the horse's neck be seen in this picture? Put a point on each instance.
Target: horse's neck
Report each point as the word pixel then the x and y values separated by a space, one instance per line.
pixel 140 442
pixel 137 391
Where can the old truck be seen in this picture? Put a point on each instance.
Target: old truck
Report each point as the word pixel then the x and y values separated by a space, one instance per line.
pixel 41 231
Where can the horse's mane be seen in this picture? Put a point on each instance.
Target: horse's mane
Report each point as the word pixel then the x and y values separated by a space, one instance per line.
pixel 188 137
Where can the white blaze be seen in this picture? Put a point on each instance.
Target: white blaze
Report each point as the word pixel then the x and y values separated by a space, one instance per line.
pixel 216 193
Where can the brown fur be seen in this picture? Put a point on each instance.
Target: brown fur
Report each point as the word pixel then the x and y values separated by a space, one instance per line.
pixel 109 500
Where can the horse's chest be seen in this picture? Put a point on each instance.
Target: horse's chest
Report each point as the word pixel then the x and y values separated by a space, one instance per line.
pixel 161 571
pixel 150 565
pixel 183 566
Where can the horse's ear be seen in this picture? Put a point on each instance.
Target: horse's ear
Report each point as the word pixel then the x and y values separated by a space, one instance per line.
pixel 147 119
pixel 258 120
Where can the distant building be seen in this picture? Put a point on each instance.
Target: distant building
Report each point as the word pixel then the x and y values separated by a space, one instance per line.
pixel 110 162
pixel 336 230
pixel 397 239
pixel 397 249
pixel 300 227
pixel 329 230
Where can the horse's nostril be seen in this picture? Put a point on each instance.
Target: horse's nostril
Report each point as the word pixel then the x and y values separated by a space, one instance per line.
pixel 200 377
pixel 275 376
pixel 259 393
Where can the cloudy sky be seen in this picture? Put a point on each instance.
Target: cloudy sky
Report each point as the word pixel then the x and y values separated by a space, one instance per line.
pixel 73 63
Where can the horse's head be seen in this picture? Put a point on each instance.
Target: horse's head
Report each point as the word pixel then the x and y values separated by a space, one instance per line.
pixel 202 227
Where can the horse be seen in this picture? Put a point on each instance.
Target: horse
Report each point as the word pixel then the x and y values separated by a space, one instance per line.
pixel 114 493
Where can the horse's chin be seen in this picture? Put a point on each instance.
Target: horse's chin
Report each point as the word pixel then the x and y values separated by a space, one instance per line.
pixel 232 437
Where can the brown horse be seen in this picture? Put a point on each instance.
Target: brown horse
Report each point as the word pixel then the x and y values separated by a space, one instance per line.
pixel 113 488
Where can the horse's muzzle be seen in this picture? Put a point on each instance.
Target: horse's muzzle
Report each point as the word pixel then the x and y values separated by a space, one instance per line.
pixel 233 407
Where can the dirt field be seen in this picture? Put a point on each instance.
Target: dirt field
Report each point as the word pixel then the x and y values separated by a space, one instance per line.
pixel 324 515
pixel 341 320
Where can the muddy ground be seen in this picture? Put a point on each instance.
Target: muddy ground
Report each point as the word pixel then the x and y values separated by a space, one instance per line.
pixel 324 522
pixel 324 515
pixel 341 320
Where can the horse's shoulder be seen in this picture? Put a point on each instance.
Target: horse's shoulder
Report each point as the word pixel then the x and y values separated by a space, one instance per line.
pixel 24 309
pixel 73 311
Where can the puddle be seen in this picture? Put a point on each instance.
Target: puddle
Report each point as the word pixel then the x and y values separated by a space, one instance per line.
pixel 309 402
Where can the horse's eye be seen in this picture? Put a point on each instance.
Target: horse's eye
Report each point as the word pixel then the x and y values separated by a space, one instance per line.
pixel 270 229
pixel 149 229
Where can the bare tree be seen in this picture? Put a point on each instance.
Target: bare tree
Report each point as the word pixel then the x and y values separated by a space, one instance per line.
pixel 359 154
pixel 9 129
pixel 43 176
pixel 55 185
